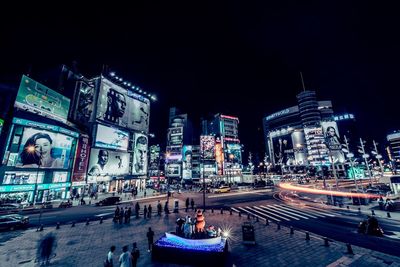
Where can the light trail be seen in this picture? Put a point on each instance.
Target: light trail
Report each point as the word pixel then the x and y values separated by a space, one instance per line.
pixel 288 186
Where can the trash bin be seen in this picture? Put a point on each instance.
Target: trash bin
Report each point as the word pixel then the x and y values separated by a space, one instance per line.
pixel 176 206
pixel 248 233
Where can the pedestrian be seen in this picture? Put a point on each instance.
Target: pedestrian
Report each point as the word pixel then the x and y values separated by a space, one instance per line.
pixel 135 254
pixel 126 215
pixel 187 204
pixel 109 262
pixel 145 193
pixel 166 210
pixel 121 215
pixel 145 212
pixel 150 237
pixel 192 204
pixel 129 214
pixel 45 248
pixel 159 208
pixel 137 209
pixel 116 214
pixel 125 259
pixel 149 210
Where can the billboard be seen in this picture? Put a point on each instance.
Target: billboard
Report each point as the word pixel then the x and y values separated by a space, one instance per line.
pixel 140 154
pixel 173 170
pixel 317 151
pixel 81 160
pixel 154 157
pixel 44 149
pixel 60 177
pixel 19 177
pixel 108 137
pixel 187 162
pixel 207 146
pixel 299 147
pixel 84 103
pixel 219 156
pixel 175 136
pixel 39 99
pixel 121 107
pixel 233 153
pixel 332 141
pixel 108 163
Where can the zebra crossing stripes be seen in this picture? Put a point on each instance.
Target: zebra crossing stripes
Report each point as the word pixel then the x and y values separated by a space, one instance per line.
pixel 283 212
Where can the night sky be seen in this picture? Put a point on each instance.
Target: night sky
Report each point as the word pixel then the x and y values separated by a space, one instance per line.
pixel 236 57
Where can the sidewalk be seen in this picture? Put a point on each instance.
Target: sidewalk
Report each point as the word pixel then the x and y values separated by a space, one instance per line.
pixel 87 245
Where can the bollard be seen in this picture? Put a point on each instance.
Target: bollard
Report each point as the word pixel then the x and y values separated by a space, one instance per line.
pixel 87 221
pixel 359 210
pixel 240 215
pixel 58 225
pixel 41 228
pixel 230 212
pixel 291 230
pixel 307 236
pixel 348 207
pixel 222 211
pixel 278 226
pixel 248 216
pixel 101 219
pixel 388 215
pixel 373 212
pixel 73 224
pixel 326 242
pixel 266 222
pixel 212 210
pixel 349 249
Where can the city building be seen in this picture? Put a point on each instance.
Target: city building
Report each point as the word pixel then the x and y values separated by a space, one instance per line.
pixel 393 150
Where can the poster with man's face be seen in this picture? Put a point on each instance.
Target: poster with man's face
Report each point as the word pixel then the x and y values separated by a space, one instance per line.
pixel 84 103
pixel 53 148
pixel 108 163
pixel 140 154
pixel 121 107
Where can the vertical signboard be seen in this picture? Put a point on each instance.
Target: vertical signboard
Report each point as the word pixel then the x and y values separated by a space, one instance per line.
pixel 207 147
pixel 81 161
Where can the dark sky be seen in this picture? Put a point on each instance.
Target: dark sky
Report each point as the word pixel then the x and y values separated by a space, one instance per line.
pixel 235 57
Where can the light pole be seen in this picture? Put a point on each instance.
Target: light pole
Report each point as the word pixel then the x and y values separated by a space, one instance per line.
pixel 365 157
pixel 350 156
pixel 204 182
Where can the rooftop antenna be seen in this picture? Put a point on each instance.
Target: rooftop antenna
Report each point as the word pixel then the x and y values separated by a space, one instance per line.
pixel 302 81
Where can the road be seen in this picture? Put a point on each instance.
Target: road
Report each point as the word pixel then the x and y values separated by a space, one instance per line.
pixel 336 224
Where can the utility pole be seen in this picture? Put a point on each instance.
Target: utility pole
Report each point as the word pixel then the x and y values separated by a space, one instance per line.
pixel 365 157
pixel 350 156
pixel 377 156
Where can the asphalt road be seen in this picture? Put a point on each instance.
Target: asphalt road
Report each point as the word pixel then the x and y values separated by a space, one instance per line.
pixel 342 227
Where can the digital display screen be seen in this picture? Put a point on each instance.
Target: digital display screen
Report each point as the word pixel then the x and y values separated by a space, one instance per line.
pixel 108 163
pixel 108 137
pixel 207 146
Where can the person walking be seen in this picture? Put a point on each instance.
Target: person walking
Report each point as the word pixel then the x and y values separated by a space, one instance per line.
pixel 145 212
pixel 109 262
pixel 187 204
pixel 121 215
pixel 150 238
pixel 192 203
pixel 166 209
pixel 159 208
pixel 45 248
pixel 149 210
pixel 116 214
pixel 127 215
pixel 125 259
pixel 135 254
pixel 137 209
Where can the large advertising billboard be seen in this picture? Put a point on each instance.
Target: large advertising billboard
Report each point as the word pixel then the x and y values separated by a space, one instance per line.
pixel 283 149
pixel 154 157
pixel 207 146
pixel 173 170
pixel 332 141
pixel 187 162
pixel 299 147
pixel 20 177
pixel 233 153
pixel 44 149
pixel 121 107
pixel 316 148
pixel 219 156
pixel 108 163
pixel 81 160
pixel 84 103
pixel 140 154
pixel 108 137
pixel 175 136
pixel 39 99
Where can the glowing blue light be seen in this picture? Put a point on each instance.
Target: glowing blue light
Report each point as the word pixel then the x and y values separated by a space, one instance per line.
pixel 191 244
pixel 120 79
pixel 112 74
pixel 129 84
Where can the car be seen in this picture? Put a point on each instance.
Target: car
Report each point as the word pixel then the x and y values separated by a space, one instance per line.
pixel 10 207
pixel 208 189
pixel 65 204
pixel 13 221
pixel 222 189
pixel 108 201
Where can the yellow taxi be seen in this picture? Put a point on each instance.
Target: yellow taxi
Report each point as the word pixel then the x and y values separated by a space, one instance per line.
pixel 222 189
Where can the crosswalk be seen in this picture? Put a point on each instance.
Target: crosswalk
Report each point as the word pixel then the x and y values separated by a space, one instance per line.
pixel 284 213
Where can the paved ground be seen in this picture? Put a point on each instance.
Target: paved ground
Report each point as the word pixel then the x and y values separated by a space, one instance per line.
pixel 87 245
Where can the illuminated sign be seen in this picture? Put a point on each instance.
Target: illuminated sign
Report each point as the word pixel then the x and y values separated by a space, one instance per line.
pixel 37 98
pixel 207 146
pixel 282 112
pixel 44 126
pixel 229 117
pixel 107 137
pixel 81 160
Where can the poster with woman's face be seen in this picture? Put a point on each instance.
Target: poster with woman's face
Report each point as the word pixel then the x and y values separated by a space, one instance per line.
pixel 44 149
